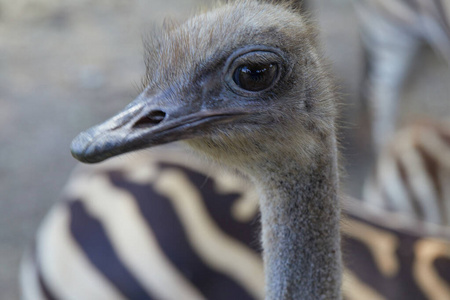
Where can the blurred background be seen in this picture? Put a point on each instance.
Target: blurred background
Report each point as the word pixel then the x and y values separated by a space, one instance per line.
pixel 67 65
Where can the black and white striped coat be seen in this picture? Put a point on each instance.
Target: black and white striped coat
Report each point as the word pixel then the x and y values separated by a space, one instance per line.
pixel 412 174
pixel 162 225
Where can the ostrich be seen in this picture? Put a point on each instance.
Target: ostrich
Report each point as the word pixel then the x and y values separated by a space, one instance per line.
pixel 245 86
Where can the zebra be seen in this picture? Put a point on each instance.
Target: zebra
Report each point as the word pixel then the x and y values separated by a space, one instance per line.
pixel 412 174
pixel 391 35
pixel 162 225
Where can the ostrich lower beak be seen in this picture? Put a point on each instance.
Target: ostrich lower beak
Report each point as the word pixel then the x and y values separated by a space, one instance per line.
pixel 145 123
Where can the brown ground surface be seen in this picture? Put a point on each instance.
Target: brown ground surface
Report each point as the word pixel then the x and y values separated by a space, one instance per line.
pixel 66 65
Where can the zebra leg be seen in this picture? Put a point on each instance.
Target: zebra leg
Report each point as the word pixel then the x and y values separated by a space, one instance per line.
pixel 389 50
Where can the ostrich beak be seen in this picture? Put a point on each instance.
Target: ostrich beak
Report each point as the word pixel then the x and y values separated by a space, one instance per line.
pixel 147 122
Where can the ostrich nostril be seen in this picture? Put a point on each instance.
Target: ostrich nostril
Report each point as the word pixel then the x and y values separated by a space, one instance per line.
pixel 153 118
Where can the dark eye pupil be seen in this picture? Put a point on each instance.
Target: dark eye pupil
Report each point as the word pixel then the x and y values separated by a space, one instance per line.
pixel 255 77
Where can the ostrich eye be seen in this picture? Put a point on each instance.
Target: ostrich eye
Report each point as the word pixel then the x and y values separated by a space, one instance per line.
pixel 249 72
pixel 255 77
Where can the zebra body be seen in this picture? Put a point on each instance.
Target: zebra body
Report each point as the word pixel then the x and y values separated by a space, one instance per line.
pixel 162 225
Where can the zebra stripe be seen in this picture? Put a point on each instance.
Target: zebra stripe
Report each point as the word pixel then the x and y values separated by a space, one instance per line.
pixel 159 211
pixel 135 242
pixel 412 173
pixel 217 203
pixel 61 262
pixel 90 235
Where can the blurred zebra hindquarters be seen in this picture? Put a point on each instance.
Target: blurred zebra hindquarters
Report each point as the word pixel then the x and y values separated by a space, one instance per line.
pixel 412 173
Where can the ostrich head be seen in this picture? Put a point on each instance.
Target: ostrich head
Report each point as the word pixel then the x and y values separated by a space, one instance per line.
pixel 242 83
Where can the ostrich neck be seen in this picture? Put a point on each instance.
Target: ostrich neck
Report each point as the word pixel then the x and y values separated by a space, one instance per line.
pixel 300 217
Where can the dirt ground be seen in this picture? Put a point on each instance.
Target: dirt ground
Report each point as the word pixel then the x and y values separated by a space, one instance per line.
pixel 66 65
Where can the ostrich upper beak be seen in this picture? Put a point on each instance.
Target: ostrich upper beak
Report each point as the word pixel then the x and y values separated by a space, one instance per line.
pixel 146 122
